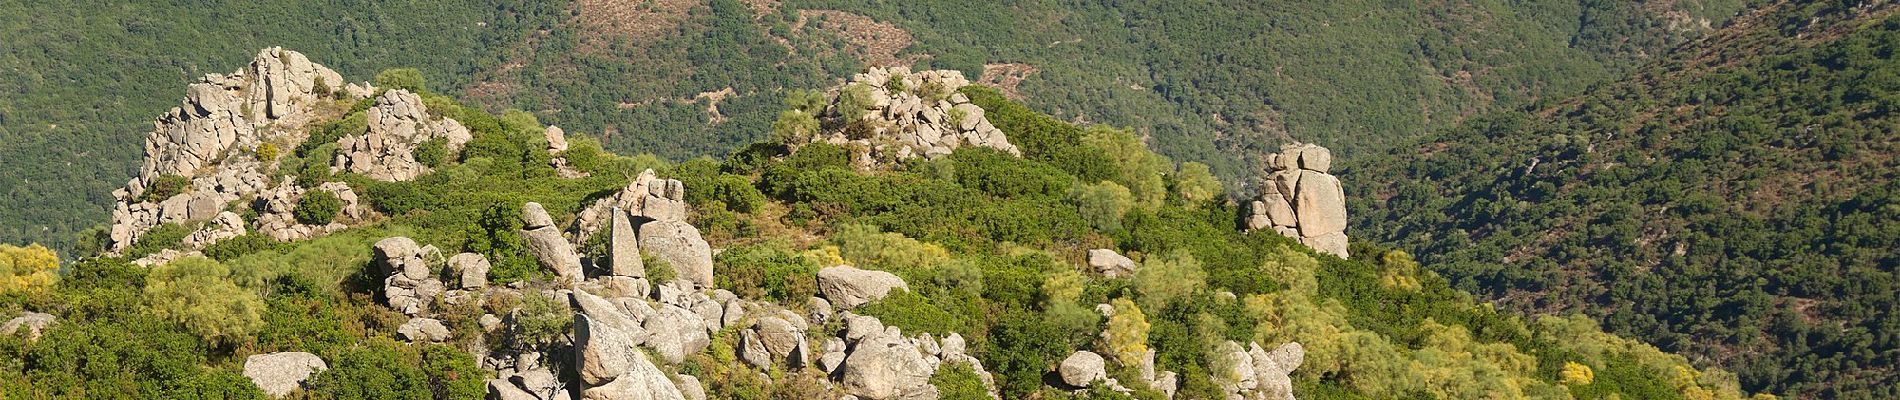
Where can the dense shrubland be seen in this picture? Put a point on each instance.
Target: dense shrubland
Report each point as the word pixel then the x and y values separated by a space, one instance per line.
pixel 1738 205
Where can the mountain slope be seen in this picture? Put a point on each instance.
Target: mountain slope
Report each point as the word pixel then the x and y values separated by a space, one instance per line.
pixel 685 78
pixel 991 247
pixel 1737 204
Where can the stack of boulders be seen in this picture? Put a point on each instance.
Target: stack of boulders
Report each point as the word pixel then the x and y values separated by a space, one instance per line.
pixel 227 225
pixel 396 125
pixel 1256 373
pixel 649 215
pixel 877 362
pixel 279 374
pixel 276 210
pixel 907 115
pixel 557 144
pixel 411 285
pixel 1302 201
pixel 213 137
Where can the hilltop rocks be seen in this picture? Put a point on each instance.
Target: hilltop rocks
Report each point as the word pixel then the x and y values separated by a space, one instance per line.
pixel 281 373
pixel 1301 200
pixel 32 322
pixel 848 287
pixel 550 249
pixel 213 139
pixel 396 125
pixel 894 114
pixel 1111 264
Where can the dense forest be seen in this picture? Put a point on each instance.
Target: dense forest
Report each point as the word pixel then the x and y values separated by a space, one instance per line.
pixel 990 243
pixel 1737 204
pixel 1209 81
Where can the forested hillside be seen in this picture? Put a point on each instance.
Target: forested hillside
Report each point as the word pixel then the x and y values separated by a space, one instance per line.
pixel 991 245
pixel 1209 81
pixel 1737 204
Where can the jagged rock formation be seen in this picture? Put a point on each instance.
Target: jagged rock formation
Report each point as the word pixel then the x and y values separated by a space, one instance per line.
pixel 1301 200
pixel 409 285
pixel 894 114
pixel 32 322
pixel 1082 368
pixel 397 124
pixel 212 140
pixel 655 212
pixel 281 373
pixel 277 221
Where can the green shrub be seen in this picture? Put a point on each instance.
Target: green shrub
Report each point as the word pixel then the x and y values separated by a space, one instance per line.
pixel 165 187
pixel 163 236
pixel 1102 204
pixel 431 153
pixel 767 271
pixel 957 381
pixel 198 293
pixel 318 207
pixel 913 313
pixel 230 249
pixel 378 368
pixel 401 78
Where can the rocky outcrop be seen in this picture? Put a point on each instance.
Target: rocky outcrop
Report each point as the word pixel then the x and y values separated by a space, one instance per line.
pixel 848 287
pixel 1302 201
pixel 276 218
pixel 623 248
pixel 212 141
pixel 1111 264
pixel 227 225
pixel 471 268
pixel 281 373
pixel 33 323
pixel 423 330
pixel 550 249
pixel 895 114
pixel 775 340
pixel 396 125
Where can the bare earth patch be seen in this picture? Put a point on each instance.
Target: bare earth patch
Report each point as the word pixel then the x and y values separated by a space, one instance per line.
pixel 1007 77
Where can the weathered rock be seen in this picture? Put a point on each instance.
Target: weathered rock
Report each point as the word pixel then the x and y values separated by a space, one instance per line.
pixel 675 333
pixel 690 387
pixel 1320 205
pixel 557 139
pixel 921 120
pixel 884 366
pixel 848 287
pixel 623 248
pixel 1082 368
pixel 1111 264
pixel 1331 243
pixel 281 373
pixel 227 225
pixel 551 250
pixel 679 245
pixel 472 268
pixel 502 389
pixel 423 330
pixel 1316 158
pixel 604 353
pixel 32 322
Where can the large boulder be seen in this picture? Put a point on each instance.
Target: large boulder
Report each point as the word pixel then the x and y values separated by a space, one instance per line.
pixel 30 321
pixel 1082 368
pixel 848 287
pixel 471 268
pixel 423 330
pixel 623 248
pixel 680 246
pixel 1111 264
pixel 281 373
pixel 1320 204
pixel 551 250
pixel 884 366
pixel 675 333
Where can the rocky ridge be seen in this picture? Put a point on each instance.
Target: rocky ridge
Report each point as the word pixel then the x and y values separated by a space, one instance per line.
pixel 1301 200
pixel 892 114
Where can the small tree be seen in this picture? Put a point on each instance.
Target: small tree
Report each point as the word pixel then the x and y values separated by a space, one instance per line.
pixel 29 269
pixel 1196 184
pixel 1127 334
pixel 1102 204
pixel 401 78
pixel 318 207
pixel 794 126
pixel 166 186
pixel 198 293
pixel 431 153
